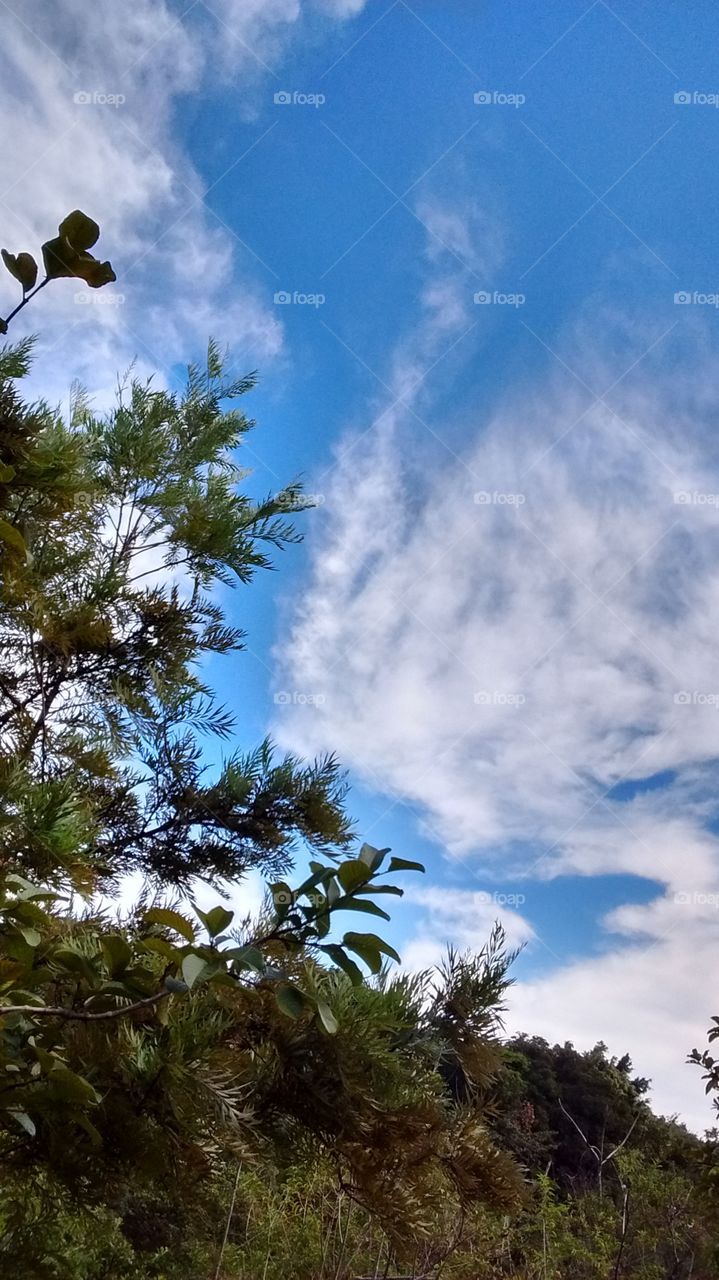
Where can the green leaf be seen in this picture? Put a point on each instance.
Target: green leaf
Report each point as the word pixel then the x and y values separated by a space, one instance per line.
pixel 72 1087
pixel 282 898
pixel 371 856
pixel 246 958
pixel 172 919
pixel 353 873
pixel 20 996
pixel 374 941
pixel 216 920
pixel 31 936
pixel 24 1121
pixel 59 258
pixel 13 537
pixel 192 967
pixel 379 888
pixel 23 268
pixel 364 949
pixel 290 1000
pixel 81 231
pixel 403 864
pixel 93 272
pixel 342 960
pixel 327 1018
pixel 117 953
pixel 370 948
pixel 361 904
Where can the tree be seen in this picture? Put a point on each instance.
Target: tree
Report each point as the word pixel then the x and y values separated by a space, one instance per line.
pixel 114 531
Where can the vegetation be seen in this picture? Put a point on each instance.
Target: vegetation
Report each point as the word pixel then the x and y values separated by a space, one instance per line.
pixel 188 1094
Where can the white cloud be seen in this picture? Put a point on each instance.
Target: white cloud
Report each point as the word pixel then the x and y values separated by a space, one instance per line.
pixel 502 639
pixel 88 97
pixel 459 918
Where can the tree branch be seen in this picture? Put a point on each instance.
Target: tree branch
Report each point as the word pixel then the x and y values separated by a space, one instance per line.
pixel 77 1015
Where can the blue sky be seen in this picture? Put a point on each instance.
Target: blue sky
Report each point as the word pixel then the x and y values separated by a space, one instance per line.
pixel 496 370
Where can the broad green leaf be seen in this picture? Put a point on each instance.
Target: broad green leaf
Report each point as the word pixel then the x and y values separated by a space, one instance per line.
pixel 343 961
pixel 59 257
pixel 24 1121
pixel 353 873
pixel 23 268
pixel 81 231
pixel 12 536
pixel 327 1018
pixel 373 940
pixel 403 864
pixel 19 995
pixel 172 919
pixel 31 936
pixel 364 949
pixel 371 856
pixel 192 967
pixel 93 272
pixel 72 1087
pixel 216 920
pixel 160 946
pixel 246 958
pixel 361 904
pixel 290 1000
pixel 282 898
pixel 117 953
pixel 371 889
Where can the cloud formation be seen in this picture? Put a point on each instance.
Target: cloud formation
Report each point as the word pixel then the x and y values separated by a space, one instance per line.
pixel 517 641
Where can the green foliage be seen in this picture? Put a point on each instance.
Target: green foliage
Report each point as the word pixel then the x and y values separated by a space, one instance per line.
pixel 65 255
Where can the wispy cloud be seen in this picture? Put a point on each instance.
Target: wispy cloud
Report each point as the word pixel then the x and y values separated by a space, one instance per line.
pixel 503 640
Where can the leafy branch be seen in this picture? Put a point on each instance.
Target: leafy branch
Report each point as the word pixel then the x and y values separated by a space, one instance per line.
pixel 67 254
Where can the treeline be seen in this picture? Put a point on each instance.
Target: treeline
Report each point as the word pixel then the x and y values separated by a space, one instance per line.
pixel 186 1094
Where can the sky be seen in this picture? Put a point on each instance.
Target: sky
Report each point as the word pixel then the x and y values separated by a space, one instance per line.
pixel 471 249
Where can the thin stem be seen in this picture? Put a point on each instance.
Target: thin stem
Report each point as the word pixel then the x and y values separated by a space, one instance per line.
pixel 77 1015
pixel 25 299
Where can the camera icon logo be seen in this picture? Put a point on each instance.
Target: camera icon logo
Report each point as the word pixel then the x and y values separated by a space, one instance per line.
pixel 282 298
pixel 483 97
pixel 682 298
pixel 283 98
pixel 683 698
pixel 283 699
pixel 483 297
pixel 82 97
pixel 682 98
